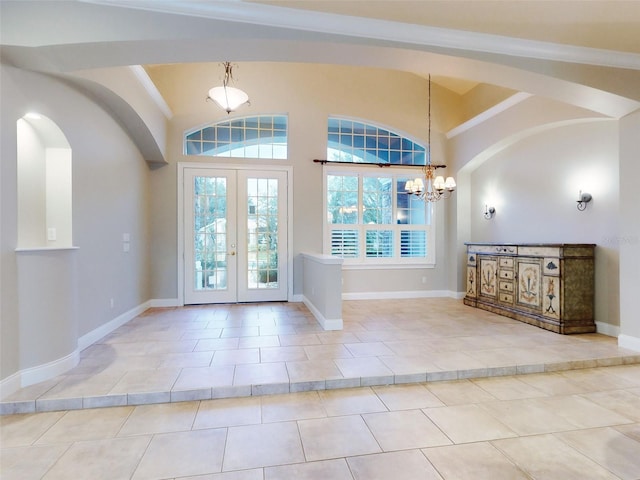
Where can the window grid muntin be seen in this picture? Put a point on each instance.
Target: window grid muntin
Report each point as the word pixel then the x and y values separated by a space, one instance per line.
pixel 377 201
pixel 356 141
pixel 263 136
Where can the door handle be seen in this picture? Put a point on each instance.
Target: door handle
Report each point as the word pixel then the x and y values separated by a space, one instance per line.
pixel 231 253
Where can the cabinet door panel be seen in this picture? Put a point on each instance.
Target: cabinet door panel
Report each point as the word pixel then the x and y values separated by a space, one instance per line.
pixel 529 280
pixel 488 276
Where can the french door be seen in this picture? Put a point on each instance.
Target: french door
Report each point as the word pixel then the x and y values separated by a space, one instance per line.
pixel 235 235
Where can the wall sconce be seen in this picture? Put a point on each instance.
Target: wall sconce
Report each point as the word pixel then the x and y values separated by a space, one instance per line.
pixel 489 212
pixel 583 199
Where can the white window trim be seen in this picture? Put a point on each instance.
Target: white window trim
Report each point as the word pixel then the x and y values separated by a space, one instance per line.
pixel 364 263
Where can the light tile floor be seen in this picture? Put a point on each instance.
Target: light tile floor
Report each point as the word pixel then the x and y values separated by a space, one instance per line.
pixel 220 351
pixel 512 427
pixel 513 401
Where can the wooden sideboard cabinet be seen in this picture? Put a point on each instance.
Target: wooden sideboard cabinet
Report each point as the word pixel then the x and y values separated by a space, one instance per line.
pixel 547 285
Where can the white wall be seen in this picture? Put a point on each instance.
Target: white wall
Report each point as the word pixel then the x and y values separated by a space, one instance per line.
pixel 110 197
pixel 59 197
pixel 534 184
pixel 322 289
pixel 629 236
pixel 31 202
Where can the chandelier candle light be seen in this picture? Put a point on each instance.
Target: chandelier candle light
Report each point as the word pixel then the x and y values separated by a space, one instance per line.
pixel 228 98
pixel 433 187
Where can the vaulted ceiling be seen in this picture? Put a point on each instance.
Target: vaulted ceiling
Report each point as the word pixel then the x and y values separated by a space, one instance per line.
pixel 585 53
pixel 579 41
pixel 602 24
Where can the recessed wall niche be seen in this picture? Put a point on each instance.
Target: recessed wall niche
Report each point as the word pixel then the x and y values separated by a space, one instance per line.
pixel 44 184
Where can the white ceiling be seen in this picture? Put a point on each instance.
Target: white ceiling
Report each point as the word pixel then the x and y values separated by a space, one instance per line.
pixel 584 53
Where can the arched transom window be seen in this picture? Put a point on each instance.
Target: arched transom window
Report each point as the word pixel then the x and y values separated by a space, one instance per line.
pixel 358 142
pixel 263 136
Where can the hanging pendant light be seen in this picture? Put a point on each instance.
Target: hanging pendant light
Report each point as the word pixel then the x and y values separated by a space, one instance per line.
pixel 432 188
pixel 226 97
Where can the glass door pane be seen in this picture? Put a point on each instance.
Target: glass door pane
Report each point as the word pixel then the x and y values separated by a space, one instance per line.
pixel 210 233
pixel 210 255
pixel 262 265
pixel 262 232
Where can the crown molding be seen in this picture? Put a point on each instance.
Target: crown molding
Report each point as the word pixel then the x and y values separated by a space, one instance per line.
pixel 385 30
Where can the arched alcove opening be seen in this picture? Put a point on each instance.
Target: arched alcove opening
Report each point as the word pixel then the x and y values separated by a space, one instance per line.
pixel 46 259
pixel 44 184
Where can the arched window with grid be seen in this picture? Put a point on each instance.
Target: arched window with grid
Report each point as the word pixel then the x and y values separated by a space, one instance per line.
pixel 263 136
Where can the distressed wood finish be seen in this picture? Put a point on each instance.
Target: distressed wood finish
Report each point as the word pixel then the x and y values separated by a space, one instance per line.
pixel 551 286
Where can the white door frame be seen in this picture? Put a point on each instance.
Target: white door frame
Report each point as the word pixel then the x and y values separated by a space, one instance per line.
pixel 230 166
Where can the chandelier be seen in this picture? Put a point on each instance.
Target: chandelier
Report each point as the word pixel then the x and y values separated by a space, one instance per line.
pixel 433 187
pixel 226 97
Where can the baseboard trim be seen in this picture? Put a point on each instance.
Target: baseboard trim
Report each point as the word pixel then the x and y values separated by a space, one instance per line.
pixel 49 370
pixel 400 295
pixel 607 329
pixel 164 303
pixel 326 323
pixel 105 329
pixel 629 342
pixel 39 373
pixel 10 384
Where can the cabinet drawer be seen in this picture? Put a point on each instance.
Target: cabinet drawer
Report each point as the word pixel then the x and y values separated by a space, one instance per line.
pixel 539 251
pixel 506 262
pixel 506 298
pixel 507 286
pixel 492 249
pixel 506 274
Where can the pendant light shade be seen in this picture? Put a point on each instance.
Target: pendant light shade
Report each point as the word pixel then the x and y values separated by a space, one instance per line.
pixel 226 97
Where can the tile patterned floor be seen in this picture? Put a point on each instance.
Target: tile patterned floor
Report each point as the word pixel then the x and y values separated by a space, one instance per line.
pixel 511 427
pixel 222 351
pixel 513 401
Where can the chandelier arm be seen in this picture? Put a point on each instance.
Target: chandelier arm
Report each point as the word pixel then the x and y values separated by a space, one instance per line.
pixel 433 188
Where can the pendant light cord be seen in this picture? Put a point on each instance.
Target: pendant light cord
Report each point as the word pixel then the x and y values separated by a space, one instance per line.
pixel 429 131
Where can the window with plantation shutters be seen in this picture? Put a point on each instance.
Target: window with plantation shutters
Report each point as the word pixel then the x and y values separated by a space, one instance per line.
pixel 344 243
pixel 370 220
